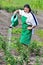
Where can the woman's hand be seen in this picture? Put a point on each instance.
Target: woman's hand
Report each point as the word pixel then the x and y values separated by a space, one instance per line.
pixel 29 28
pixel 17 11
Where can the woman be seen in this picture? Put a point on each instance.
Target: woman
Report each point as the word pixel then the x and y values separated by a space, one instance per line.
pixel 29 22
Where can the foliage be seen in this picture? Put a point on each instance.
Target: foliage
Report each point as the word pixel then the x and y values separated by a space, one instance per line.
pixel 35 48
pixel 40 33
pixel 24 51
pixel 38 61
pixel 11 5
pixel 12 60
pixel 16 30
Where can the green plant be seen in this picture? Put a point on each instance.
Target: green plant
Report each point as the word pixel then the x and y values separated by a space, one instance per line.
pixel 24 51
pixel 16 30
pixel 8 57
pixel 35 48
pixel 12 5
pixel 12 60
pixel 38 61
pixel 39 33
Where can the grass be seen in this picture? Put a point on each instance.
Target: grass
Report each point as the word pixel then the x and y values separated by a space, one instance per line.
pixel 1 42
pixel 11 5
pixel 38 61
pixel 16 30
pixel 39 33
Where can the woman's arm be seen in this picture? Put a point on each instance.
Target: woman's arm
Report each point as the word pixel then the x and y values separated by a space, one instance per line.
pixel 29 28
pixel 17 11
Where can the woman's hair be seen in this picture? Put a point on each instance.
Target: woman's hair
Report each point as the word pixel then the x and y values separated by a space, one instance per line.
pixel 28 6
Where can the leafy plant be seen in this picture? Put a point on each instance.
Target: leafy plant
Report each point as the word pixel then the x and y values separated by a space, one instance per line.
pixel 16 30
pixel 39 33
pixel 34 48
pixel 11 5
pixel 38 61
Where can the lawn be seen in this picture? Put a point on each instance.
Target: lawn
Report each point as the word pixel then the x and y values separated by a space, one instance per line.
pixel 11 5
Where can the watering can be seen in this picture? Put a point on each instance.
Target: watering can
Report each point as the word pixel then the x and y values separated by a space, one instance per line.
pixel 14 20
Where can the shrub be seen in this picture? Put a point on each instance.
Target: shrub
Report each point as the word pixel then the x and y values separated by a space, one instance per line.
pixel 34 48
